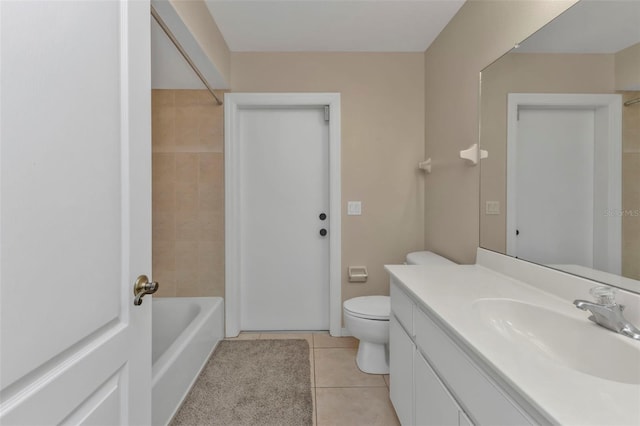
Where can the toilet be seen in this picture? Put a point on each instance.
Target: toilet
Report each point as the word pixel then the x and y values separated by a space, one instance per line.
pixel 367 319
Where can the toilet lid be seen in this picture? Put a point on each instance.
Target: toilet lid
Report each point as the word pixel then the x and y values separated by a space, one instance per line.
pixel 371 307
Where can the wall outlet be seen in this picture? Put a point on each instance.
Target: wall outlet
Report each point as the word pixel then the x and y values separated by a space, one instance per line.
pixel 492 207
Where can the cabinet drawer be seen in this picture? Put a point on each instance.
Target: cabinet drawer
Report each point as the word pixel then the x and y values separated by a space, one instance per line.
pixel 402 307
pixel 483 401
pixel 433 403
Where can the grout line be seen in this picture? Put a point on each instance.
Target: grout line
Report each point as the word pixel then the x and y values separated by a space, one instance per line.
pixel 315 383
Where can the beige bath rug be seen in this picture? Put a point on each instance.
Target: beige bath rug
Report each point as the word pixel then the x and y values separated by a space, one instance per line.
pixel 252 382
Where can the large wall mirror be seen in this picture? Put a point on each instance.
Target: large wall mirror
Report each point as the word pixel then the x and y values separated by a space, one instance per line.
pixel 560 118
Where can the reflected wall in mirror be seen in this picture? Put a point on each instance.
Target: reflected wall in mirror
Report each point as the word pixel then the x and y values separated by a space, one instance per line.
pixel 561 186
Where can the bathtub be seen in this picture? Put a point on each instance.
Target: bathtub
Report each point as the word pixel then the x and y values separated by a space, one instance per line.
pixel 185 331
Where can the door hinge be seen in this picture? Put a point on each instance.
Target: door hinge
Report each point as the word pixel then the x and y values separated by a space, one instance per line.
pixel 326 113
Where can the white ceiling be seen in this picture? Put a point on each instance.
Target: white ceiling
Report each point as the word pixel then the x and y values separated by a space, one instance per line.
pixel 590 26
pixel 331 25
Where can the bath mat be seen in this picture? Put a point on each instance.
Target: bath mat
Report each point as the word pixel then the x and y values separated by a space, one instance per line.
pixel 252 382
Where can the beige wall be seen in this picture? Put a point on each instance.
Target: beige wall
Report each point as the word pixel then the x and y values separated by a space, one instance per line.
pixel 382 101
pixel 479 33
pixel 188 197
pixel 525 73
pixel 628 68
pixel 196 16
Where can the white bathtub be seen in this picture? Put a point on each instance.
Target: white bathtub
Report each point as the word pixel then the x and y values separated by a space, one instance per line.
pixel 185 331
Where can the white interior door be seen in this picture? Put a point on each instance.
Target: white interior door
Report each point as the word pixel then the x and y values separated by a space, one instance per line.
pixel 75 205
pixel 555 185
pixel 284 188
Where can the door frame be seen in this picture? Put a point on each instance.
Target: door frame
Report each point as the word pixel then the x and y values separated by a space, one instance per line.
pixel 607 236
pixel 234 102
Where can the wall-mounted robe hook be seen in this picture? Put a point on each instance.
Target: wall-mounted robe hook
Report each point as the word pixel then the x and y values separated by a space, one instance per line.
pixel 425 165
pixel 473 154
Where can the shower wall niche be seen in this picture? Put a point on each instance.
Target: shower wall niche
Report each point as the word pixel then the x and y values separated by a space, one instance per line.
pixel 188 193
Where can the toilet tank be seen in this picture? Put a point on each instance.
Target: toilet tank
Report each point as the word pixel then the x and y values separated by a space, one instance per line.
pixel 427 258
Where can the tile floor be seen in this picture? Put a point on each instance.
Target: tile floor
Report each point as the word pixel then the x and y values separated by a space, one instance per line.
pixel 342 394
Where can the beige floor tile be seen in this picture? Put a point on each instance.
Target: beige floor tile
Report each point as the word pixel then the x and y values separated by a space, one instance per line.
pixel 354 406
pixel 324 340
pixel 312 366
pixel 306 336
pixel 336 367
pixel 245 336
pixel 315 412
pixel 386 379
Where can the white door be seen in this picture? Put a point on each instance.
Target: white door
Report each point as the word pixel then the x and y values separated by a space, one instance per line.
pixel 284 191
pixel 75 212
pixel 555 185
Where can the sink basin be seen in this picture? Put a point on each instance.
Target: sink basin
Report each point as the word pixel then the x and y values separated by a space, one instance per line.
pixel 572 342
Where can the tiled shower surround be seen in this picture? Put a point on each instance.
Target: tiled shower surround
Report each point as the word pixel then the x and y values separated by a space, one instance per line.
pixel 630 187
pixel 188 193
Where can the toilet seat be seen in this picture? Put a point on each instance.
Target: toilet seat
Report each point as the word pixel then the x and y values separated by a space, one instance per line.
pixel 369 307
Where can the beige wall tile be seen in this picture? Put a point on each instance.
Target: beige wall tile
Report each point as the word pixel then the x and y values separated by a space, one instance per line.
pixel 187 283
pixel 186 197
pixel 187 226
pixel 163 168
pixel 187 167
pixel 166 281
pixel 164 199
pixel 211 198
pixel 162 97
pixel 211 168
pixel 631 123
pixel 188 194
pixel 631 214
pixel 163 255
pixel 186 255
pixel 163 126
pixel 164 226
pixel 187 125
pixel 211 133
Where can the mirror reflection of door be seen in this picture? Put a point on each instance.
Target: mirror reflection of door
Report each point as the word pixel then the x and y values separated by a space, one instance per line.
pixel 563 177
pixel 555 177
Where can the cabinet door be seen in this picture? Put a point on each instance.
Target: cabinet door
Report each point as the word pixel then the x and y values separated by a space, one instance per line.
pixel 433 403
pixel 401 351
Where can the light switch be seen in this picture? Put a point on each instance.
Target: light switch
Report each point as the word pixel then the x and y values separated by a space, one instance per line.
pixel 354 208
pixel 492 207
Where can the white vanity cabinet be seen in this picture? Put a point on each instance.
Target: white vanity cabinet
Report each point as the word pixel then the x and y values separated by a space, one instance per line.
pixel 401 371
pixel 417 394
pixel 432 379
pixel 434 405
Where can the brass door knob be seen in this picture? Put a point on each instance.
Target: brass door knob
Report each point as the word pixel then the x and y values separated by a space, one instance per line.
pixel 143 286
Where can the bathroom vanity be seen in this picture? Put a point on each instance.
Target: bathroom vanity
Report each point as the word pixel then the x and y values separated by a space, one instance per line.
pixel 501 343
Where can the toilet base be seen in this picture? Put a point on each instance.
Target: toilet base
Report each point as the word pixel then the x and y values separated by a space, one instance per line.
pixel 373 358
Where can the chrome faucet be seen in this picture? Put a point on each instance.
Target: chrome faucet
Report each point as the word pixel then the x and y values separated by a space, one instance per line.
pixel 607 313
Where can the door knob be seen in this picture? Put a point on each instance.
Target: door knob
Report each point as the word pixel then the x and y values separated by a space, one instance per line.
pixel 323 232
pixel 143 286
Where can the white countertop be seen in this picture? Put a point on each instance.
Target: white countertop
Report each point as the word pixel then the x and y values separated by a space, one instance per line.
pixel 562 394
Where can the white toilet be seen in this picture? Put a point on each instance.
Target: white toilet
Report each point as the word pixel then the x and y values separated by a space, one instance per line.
pixel 367 319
